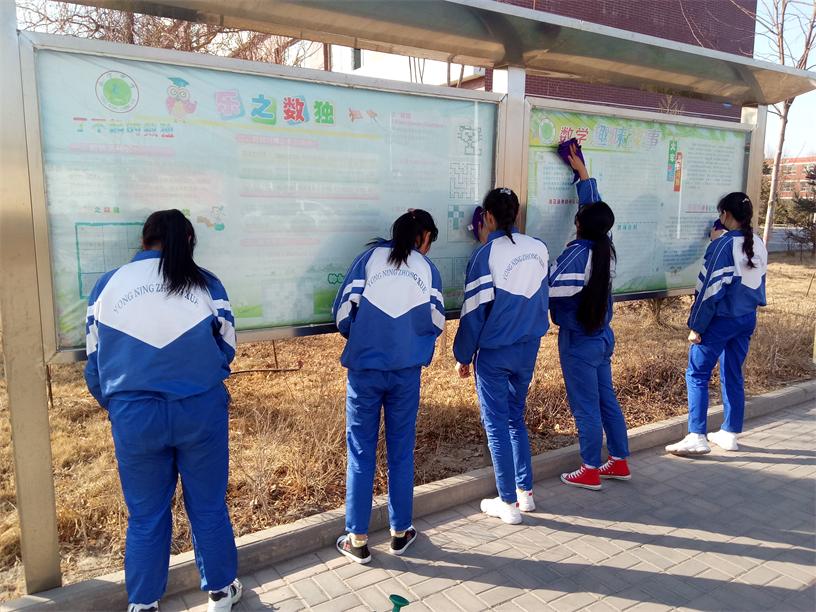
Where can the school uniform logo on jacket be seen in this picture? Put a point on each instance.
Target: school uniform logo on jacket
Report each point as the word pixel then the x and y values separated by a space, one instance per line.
pixel 142 342
pixel 518 267
pixel 390 315
pixel 506 295
pixel 386 287
pixel 127 297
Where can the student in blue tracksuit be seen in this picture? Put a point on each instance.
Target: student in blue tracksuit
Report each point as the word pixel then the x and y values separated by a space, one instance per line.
pixel 160 339
pixel 730 288
pixel 581 305
pixel 390 309
pixel 504 316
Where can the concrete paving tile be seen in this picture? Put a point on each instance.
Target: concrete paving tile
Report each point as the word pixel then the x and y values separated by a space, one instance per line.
pixel 339 604
pixel 464 599
pixel 500 594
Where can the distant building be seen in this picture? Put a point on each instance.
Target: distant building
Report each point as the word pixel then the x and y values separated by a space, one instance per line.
pixel 793 175
pixel 715 24
pixel 719 25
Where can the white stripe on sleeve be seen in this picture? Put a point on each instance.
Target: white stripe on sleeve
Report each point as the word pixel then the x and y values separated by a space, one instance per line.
pixel 91 339
pixel 438 317
pixel 565 290
pixel 474 301
pixel 355 283
pixel 227 332
pixel 345 309
pixel 478 282
pixel 721 271
pixel 578 276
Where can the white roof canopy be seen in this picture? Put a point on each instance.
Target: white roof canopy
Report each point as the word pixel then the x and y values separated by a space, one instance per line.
pixel 491 34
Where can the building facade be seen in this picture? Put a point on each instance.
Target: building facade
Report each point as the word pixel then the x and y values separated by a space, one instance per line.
pixel 722 25
pixel 793 175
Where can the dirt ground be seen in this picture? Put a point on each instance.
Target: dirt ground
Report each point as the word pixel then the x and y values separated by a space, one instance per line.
pixel 287 428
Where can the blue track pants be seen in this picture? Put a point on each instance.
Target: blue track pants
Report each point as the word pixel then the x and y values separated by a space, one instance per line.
pixel 587 369
pixel 155 442
pixel 503 376
pixel 397 394
pixel 726 340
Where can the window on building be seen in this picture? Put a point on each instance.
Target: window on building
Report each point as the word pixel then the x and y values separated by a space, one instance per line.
pixel 356 58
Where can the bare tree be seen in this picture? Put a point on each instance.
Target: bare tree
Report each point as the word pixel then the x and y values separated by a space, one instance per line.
pixel 151 31
pixel 789 26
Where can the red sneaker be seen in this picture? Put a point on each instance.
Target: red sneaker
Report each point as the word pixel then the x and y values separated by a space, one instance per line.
pixel 585 477
pixel 617 469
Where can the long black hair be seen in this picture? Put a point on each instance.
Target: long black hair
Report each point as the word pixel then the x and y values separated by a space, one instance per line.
pixel 172 232
pixel 409 230
pixel 594 222
pixel 741 208
pixel 503 204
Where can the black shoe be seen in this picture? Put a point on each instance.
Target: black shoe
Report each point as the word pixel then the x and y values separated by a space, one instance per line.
pixel 401 544
pixel 358 554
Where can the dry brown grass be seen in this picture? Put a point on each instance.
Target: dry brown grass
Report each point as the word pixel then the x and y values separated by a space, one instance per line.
pixel 287 429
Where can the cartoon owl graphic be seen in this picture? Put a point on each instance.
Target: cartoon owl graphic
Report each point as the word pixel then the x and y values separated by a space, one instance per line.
pixel 178 100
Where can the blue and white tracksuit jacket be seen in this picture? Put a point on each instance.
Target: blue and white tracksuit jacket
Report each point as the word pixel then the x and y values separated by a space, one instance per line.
pixel 726 299
pixel 157 363
pixel 504 316
pixel 391 317
pixel 586 357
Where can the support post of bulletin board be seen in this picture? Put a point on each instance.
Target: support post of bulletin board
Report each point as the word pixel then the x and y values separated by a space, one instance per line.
pixel 23 353
pixel 512 154
pixel 756 116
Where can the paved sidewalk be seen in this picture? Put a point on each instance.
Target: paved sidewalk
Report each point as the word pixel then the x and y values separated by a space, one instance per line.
pixel 731 531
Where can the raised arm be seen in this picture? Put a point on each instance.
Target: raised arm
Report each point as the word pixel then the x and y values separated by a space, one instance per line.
pixel 587 187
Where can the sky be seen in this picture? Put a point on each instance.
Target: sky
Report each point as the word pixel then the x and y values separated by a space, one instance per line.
pixel 800 137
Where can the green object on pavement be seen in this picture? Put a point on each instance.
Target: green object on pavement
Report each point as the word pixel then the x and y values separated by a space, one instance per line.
pixel 399 602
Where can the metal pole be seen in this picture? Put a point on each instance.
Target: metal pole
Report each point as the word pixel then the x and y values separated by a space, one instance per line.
pixel 757 116
pixel 510 170
pixel 22 330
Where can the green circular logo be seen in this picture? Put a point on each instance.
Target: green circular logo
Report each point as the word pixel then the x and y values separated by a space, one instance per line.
pixel 546 131
pixel 116 91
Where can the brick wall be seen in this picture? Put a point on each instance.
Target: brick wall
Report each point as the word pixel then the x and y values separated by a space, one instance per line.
pixel 714 24
pixel 793 179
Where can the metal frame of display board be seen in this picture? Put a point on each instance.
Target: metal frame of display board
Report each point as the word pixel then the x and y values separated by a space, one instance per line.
pixel 755 131
pixel 26 301
pixel 31 42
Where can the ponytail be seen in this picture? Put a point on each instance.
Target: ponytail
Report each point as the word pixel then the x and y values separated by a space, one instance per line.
pixel 594 222
pixel 741 208
pixel 407 232
pixel 173 234
pixel 503 204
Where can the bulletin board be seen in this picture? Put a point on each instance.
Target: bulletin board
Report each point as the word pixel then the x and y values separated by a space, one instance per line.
pixel 662 176
pixel 285 180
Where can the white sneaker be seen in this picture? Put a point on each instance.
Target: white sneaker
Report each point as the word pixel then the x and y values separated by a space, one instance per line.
pixel 692 444
pixel 509 513
pixel 724 439
pixel 525 500
pixel 222 601
pixel 151 607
